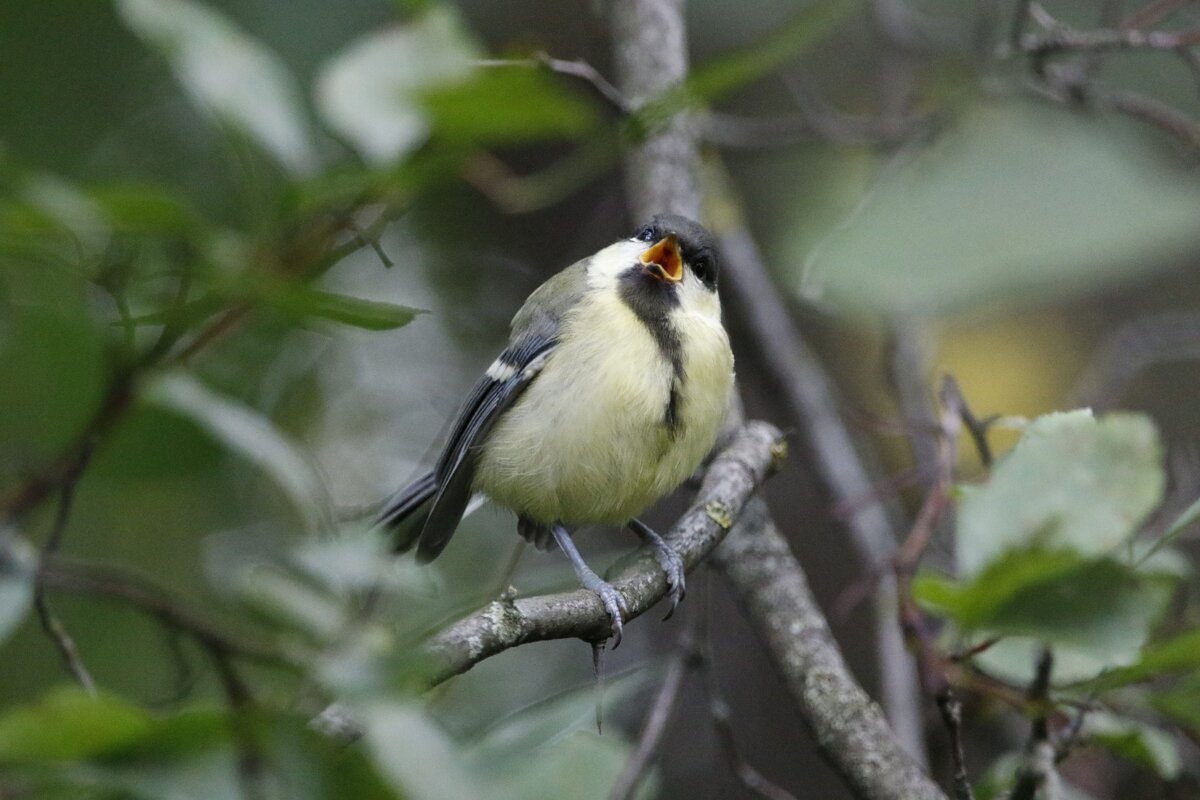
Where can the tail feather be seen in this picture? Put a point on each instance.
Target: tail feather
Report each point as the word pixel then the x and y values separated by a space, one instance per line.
pixel 405 514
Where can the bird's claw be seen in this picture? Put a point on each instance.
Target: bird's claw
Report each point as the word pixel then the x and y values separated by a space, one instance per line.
pixel 614 604
pixel 672 566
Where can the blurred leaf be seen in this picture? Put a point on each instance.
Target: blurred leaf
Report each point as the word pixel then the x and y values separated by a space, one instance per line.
pixel 370 93
pixel 723 74
pixel 1072 481
pixel 711 81
pixel 1180 654
pixel 251 435
pixel 372 315
pixel 285 598
pixel 227 73
pixel 1136 741
pixel 1096 613
pixel 51 367
pixel 580 766
pixel 1015 200
pixel 506 105
pixel 556 717
pixel 416 756
pixel 1185 520
pixel 69 724
pixel 145 208
pixel 17 565
pixel 1181 703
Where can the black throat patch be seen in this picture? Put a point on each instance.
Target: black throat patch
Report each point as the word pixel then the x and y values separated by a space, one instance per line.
pixel 651 301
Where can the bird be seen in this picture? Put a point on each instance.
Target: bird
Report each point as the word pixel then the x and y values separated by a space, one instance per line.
pixel 611 390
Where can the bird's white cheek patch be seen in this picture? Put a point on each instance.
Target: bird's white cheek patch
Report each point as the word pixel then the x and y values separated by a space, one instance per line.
pixel 499 371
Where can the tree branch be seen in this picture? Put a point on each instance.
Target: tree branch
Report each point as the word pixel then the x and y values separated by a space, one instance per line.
pixel 731 479
pixel 850 728
pixel 663 175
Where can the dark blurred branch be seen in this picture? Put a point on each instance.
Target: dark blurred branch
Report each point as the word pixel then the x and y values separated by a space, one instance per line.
pixel 1059 38
pixel 50 621
pixel 950 708
pixel 811 399
pixel 655 727
pixel 730 480
pixel 1132 349
pixel 131 589
pixel 1039 777
pixel 663 175
pixel 754 781
pixel 1073 83
pixel 849 727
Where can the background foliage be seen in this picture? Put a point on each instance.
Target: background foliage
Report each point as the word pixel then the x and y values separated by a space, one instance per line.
pixel 252 253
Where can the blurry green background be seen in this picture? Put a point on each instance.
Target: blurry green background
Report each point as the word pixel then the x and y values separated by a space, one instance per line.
pixel 1015 234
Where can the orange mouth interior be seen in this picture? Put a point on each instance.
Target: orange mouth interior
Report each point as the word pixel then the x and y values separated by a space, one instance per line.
pixel 664 260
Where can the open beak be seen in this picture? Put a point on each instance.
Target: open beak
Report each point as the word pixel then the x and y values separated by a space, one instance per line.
pixel 663 260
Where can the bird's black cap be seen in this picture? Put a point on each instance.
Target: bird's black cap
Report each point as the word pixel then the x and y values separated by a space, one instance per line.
pixel 698 246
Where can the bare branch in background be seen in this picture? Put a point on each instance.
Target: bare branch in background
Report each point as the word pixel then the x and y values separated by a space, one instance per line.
pixel 131 589
pixel 810 397
pixel 660 713
pixel 51 623
pixel 1132 349
pixel 664 175
pixel 850 728
pixel 1073 83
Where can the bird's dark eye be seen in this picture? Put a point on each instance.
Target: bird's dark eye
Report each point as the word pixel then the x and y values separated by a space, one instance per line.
pixel 704 268
pixel 646 234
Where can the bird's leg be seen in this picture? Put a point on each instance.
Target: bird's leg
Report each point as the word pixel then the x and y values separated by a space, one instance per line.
pixel 613 602
pixel 668 559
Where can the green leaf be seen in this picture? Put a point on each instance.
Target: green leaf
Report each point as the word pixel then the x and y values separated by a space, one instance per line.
pixel 1180 703
pixel 1014 201
pixel 51 366
pixel 69 724
pixel 1179 654
pixel 227 73
pixel 506 105
pixel 18 562
pixel 1072 481
pixel 371 93
pixel 244 431
pixel 145 209
pixel 415 754
pixel 1136 741
pixel 1096 613
pixel 372 315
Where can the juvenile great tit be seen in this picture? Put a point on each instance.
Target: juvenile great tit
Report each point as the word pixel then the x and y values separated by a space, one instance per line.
pixel 611 391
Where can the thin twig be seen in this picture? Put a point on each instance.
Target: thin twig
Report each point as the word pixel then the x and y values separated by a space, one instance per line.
pixel 50 621
pixel 722 718
pixel 650 739
pixel 1152 14
pixel 112 583
pixel 575 69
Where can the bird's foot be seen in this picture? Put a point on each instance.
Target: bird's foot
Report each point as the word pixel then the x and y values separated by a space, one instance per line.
pixel 670 561
pixel 613 602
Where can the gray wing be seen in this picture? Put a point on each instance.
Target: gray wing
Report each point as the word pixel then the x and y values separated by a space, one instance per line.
pixel 535 334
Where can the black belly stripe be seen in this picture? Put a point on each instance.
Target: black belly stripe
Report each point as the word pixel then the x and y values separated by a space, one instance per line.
pixel 651 301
